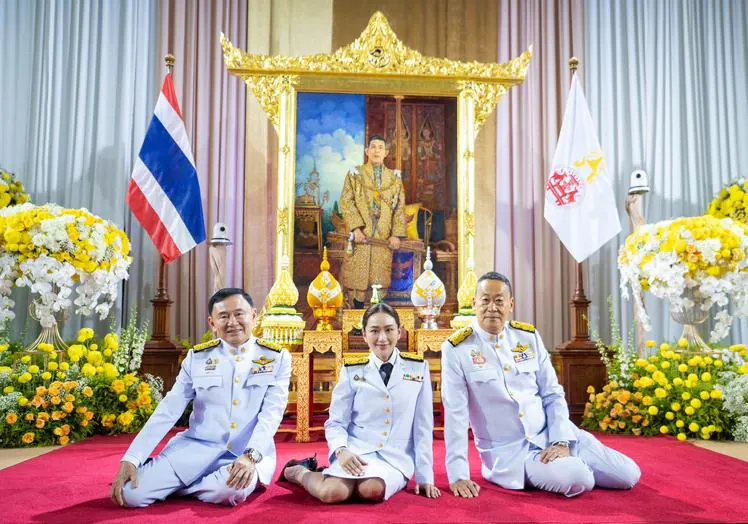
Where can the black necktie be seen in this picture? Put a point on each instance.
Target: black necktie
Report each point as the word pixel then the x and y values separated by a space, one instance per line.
pixel 384 371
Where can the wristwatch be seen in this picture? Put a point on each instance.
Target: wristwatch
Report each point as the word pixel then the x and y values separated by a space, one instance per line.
pixel 564 443
pixel 253 455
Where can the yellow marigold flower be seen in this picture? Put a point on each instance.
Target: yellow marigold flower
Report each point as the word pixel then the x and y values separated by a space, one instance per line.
pixel 118 386
pixel 46 375
pixel 735 348
pixel 664 430
pixel 660 393
pixel 25 359
pixel 87 392
pixel 64 440
pixel 647 401
pixel 11 418
pixel 4 347
pixel 705 435
pixel 28 438
pixel 110 371
pixel 685 395
pixel 651 368
pixel 682 436
pixel 88 370
pixel 715 394
pixel 693 427
pixel 650 343
pixel 653 410
pixel 58 415
pixel 669 415
pixel 689 410
pixel 52 366
pixel 708 361
pixel 67 407
pixel 682 368
pixel 123 398
pixel 126 418
pixel 107 352
pixel 664 346
pixel 682 343
pixel 706 376
pixel 641 363
pixel 22 401
pixel 46 347
pixel 24 378
pixel 64 366
pixel 8 389
pixel 85 334
pixel 34 369
pixel 665 364
pixel 704 395
pixel 711 428
pixel 679 423
pixel 696 403
pixel 718 363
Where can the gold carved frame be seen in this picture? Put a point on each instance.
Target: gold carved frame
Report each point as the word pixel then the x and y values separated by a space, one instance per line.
pixel 376 63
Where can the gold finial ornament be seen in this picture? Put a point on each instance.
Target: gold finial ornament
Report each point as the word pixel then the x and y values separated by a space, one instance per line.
pixel 281 323
pixel 465 295
pixel 324 296
pixel 573 64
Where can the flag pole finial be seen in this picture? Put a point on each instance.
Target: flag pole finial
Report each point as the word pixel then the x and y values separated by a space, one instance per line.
pixel 170 60
pixel 573 64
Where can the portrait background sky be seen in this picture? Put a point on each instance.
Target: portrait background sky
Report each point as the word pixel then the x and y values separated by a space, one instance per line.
pixel 329 131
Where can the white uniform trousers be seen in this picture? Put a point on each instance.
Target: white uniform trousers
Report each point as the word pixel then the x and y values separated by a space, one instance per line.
pixel 592 464
pixel 157 480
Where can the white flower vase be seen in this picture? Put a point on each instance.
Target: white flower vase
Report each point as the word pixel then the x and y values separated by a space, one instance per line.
pixel 690 318
pixel 49 335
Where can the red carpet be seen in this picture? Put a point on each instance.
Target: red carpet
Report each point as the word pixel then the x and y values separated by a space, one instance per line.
pixel 680 483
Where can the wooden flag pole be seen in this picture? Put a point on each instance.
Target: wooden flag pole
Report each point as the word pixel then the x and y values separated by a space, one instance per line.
pixel 161 355
pixel 577 361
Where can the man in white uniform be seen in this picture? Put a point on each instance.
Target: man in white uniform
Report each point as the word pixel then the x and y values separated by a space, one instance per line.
pixel 498 377
pixel 239 388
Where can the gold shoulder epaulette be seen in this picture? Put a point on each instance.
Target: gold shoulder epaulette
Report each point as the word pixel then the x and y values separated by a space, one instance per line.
pixel 412 356
pixel 460 335
pixel 206 345
pixel 523 326
pixel 356 361
pixel 267 344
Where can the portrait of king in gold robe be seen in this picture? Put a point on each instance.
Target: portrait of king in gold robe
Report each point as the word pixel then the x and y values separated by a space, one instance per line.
pixel 372 203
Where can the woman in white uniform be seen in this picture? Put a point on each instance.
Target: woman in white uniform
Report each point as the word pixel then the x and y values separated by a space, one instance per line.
pixel 380 430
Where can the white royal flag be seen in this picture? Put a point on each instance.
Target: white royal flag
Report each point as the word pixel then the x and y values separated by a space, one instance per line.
pixel 579 201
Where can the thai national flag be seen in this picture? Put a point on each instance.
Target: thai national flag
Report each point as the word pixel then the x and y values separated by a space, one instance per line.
pixel 164 193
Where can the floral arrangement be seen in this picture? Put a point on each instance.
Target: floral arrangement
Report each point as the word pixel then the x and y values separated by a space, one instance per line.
pixel 731 201
pixel 692 262
pixel 53 250
pixel 49 398
pixel 131 344
pixel 11 190
pixel 675 392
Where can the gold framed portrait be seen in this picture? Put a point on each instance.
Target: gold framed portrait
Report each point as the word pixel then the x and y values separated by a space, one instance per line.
pixel 377 64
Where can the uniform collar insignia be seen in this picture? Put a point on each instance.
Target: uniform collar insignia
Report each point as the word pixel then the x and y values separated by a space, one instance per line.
pixel 263 360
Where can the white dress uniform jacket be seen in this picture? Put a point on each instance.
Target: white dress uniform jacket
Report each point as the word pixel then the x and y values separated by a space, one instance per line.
pixel 507 389
pixel 395 421
pixel 235 407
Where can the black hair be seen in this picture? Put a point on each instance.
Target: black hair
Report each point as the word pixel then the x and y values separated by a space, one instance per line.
pixel 493 275
pixel 376 137
pixel 223 294
pixel 381 307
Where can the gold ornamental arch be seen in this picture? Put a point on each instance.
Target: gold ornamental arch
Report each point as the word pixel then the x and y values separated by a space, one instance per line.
pixel 376 63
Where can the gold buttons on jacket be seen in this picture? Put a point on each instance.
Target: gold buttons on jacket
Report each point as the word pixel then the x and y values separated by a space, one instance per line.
pixel 386 397
pixel 507 367
pixel 521 414
pixel 528 437
pixel 236 380
pixel 238 359
pixel 235 402
pixel 233 425
pixel 387 421
pixel 228 446
pixel 380 445
pixel 387 410
pixel 385 434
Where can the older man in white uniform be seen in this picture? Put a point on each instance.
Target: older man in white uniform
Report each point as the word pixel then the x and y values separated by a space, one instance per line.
pixel 239 388
pixel 498 376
